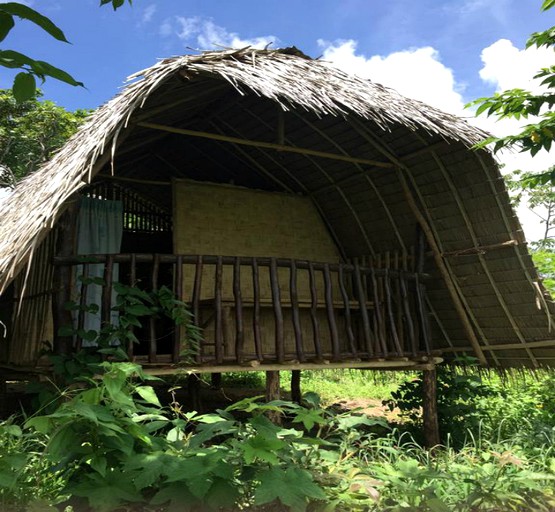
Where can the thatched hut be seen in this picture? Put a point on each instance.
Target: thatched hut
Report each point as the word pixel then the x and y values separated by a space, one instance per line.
pixel 310 219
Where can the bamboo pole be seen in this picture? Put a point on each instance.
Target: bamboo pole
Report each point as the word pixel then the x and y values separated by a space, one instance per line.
pixel 347 306
pixel 179 295
pixel 314 311
pixel 278 314
pixel 447 278
pixel 265 145
pixel 295 311
pixel 362 303
pixel 239 334
pixel 219 341
pixel 331 313
pixel 256 310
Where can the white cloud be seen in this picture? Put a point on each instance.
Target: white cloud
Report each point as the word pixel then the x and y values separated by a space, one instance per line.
pixel 166 28
pixel 148 13
pixel 206 34
pixel 507 67
pixel 417 73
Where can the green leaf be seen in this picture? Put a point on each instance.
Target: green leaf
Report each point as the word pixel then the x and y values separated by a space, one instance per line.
pixel 25 12
pixel 547 4
pixel 106 493
pixel 39 423
pixel 262 448
pixel 44 68
pixel 309 418
pixel 99 465
pixel 24 86
pixel 61 439
pixel 177 495
pixel 148 394
pixel 138 310
pixel 292 487
pixel 6 24
pixel 221 495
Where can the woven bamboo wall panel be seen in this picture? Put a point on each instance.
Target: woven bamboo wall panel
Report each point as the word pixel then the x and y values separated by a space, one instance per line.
pixel 233 221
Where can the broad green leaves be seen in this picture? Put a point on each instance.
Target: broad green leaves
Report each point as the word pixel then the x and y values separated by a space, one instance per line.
pixel 521 104
pixel 291 487
pixel 30 130
pixel 24 12
pixel 116 4
pixel 24 86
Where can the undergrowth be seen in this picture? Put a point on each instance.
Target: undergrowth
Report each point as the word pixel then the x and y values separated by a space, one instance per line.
pixel 109 445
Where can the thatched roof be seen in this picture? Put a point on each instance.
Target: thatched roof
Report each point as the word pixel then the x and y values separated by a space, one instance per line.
pixel 389 140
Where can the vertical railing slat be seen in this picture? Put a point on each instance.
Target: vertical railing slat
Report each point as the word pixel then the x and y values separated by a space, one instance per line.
pixel 422 314
pixel 132 282
pixel 363 312
pixel 390 313
pixel 256 310
pixel 408 315
pixel 178 291
pixel 347 310
pixel 331 313
pixel 197 284
pixel 219 337
pixel 239 334
pixel 106 312
pixel 278 313
pixel 152 349
pixel 314 311
pixel 380 330
pixel 295 311
pixel 82 306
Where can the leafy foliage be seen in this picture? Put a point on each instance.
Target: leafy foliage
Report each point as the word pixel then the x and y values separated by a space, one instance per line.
pixel 133 306
pixel 457 394
pixel 24 85
pixel 537 192
pixel 110 445
pixel 30 132
pixel 521 104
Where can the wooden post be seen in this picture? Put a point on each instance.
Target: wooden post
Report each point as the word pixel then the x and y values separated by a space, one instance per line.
pixel 273 393
pixel 296 394
pixel 216 380
pixel 63 278
pixel 193 387
pixel 429 408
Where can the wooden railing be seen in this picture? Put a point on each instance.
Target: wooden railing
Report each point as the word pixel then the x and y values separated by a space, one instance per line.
pixel 270 309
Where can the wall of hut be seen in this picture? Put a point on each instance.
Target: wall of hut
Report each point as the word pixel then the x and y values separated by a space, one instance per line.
pixel 216 219
pixel 31 328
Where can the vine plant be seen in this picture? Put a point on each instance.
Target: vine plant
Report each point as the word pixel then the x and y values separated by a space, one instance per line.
pixel 133 306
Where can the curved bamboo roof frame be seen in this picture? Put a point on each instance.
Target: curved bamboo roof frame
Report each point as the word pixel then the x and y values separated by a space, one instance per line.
pixel 374 163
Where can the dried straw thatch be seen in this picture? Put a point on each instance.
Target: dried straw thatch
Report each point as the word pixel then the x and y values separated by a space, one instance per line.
pixel 417 150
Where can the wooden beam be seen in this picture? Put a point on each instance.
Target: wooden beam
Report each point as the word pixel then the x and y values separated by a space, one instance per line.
pixel 134 180
pixel 378 364
pixel 447 278
pixel 440 262
pixel 507 346
pixel 266 145
pixel 481 249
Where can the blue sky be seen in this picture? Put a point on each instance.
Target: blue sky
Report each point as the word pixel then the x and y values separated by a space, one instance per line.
pixel 107 46
pixel 443 52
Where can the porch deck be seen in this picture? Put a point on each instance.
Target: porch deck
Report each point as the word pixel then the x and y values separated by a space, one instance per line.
pixel 265 313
